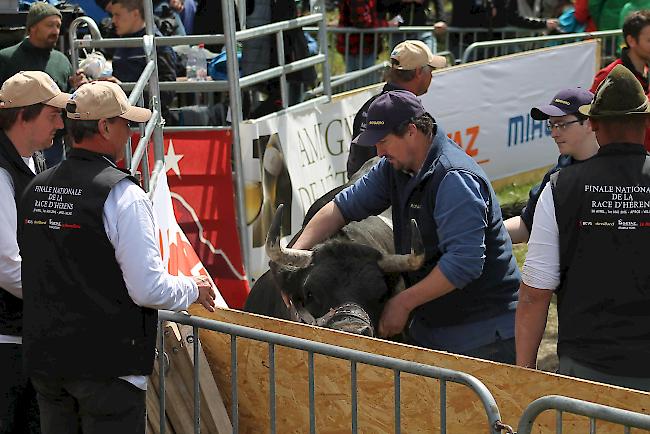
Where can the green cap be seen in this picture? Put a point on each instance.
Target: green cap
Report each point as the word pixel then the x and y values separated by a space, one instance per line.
pixel 39 11
pixel 620 94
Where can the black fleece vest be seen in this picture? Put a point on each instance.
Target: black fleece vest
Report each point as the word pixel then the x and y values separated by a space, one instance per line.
pixel 603 215
pixel 11 307
pixel 79 320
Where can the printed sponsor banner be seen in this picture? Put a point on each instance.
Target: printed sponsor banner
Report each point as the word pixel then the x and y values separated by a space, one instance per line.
pixel 179 257
pixel 485 106
pixel 199 174
pixel 295 158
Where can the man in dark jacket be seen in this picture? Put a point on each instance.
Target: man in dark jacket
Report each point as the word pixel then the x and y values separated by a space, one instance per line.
pixel 37 53
pixel 463 298
pixel 30 115
pixel 93 276
pixel 129 62
pixel 588 244
pixel 411 66
pixel 490 15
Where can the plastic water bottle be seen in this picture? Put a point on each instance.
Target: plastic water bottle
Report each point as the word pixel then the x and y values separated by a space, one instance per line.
pixel 201 63
pixel 190 68
pixel 197 65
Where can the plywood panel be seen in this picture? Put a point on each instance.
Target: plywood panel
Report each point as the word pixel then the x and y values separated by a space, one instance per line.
pixel 512 387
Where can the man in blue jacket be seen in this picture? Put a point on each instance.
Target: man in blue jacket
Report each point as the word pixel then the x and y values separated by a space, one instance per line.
pixel 464 297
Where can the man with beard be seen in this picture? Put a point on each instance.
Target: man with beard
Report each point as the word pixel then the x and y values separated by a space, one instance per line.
pixel 36 53
pixel 463 298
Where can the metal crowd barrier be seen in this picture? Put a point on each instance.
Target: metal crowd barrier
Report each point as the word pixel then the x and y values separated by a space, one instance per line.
pixel 610 38
pixel 493 425
pixel 563 404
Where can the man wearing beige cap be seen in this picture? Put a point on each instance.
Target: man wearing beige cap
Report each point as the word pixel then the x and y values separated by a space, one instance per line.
pixel 412 64
pixel 37 52
pixel 94 276
pixel 589 246
pixel 30 115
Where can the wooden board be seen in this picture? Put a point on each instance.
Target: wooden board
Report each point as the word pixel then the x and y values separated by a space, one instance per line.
pixel 512 387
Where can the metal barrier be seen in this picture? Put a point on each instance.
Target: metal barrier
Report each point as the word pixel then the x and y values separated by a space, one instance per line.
pixel 233 86
pixel 398 366
pixel 628 419
pixel 531 43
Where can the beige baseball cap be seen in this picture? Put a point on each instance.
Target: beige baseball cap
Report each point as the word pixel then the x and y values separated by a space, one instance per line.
pixel 103 100
pixel 31 87
pixel 412 54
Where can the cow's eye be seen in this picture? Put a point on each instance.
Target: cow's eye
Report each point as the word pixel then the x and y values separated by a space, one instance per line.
pixel 309 296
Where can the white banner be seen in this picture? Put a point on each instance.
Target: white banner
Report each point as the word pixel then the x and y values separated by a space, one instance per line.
pixel 485 106
pixel 295 158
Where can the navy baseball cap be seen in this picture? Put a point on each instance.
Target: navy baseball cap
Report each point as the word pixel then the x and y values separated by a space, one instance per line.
pixel 566 102
pixel 386 112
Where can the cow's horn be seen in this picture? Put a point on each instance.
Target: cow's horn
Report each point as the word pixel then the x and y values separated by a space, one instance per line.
pixel 410 262
pixel 277 253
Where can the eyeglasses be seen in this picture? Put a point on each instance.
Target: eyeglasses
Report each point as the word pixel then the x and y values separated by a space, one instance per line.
pixel 561 125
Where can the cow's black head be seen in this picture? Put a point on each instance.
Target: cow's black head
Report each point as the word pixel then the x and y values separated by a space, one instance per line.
pixel 340 284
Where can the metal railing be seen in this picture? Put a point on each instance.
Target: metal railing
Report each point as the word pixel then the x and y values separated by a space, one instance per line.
pixel 508 46
pixel 563 404
pixel 493 424
pixel 149 78
pixel 230 38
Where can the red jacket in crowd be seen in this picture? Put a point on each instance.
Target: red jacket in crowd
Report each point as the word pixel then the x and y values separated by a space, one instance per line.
pixel 582 15
pixel 362 14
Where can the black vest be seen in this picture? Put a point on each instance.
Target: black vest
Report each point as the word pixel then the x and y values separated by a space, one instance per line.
pixel 603 215
pixel 11 307
pixel 79 319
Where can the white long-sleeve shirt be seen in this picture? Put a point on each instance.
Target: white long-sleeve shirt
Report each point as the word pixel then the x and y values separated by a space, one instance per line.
pixel 10 260
pixel 542 267
pixel 129 224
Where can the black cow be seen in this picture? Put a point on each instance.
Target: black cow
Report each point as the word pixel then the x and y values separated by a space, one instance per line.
pixel 342 283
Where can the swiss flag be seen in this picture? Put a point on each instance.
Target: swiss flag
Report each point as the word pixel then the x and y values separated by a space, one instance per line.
pixel 198 166
pixel 179 257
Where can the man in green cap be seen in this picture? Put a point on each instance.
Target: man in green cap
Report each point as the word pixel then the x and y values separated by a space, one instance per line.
pixel 36 53
pixel 588 245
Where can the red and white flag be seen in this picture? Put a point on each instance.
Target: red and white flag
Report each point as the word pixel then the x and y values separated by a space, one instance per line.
pixel 179 257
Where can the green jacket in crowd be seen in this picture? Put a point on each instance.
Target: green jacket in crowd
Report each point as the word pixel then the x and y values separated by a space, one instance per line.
pixel 606 13
pixel 632 6
pixel 26 57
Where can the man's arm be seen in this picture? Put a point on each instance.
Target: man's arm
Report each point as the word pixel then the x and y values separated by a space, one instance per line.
pixel 325 223
pixel 9 253
pixel 530 322
pixel 397 310
pixel 129 224
pixel 540 276
pixel 460 215
pixel 517 230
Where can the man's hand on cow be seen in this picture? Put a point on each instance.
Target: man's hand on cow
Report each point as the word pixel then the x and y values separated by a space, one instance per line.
pixel 394 317
pixel 207 293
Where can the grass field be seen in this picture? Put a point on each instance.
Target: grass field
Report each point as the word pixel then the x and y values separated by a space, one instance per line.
pixel 512 197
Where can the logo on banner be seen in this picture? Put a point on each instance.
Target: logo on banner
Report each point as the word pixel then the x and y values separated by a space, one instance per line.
pixel 468 142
